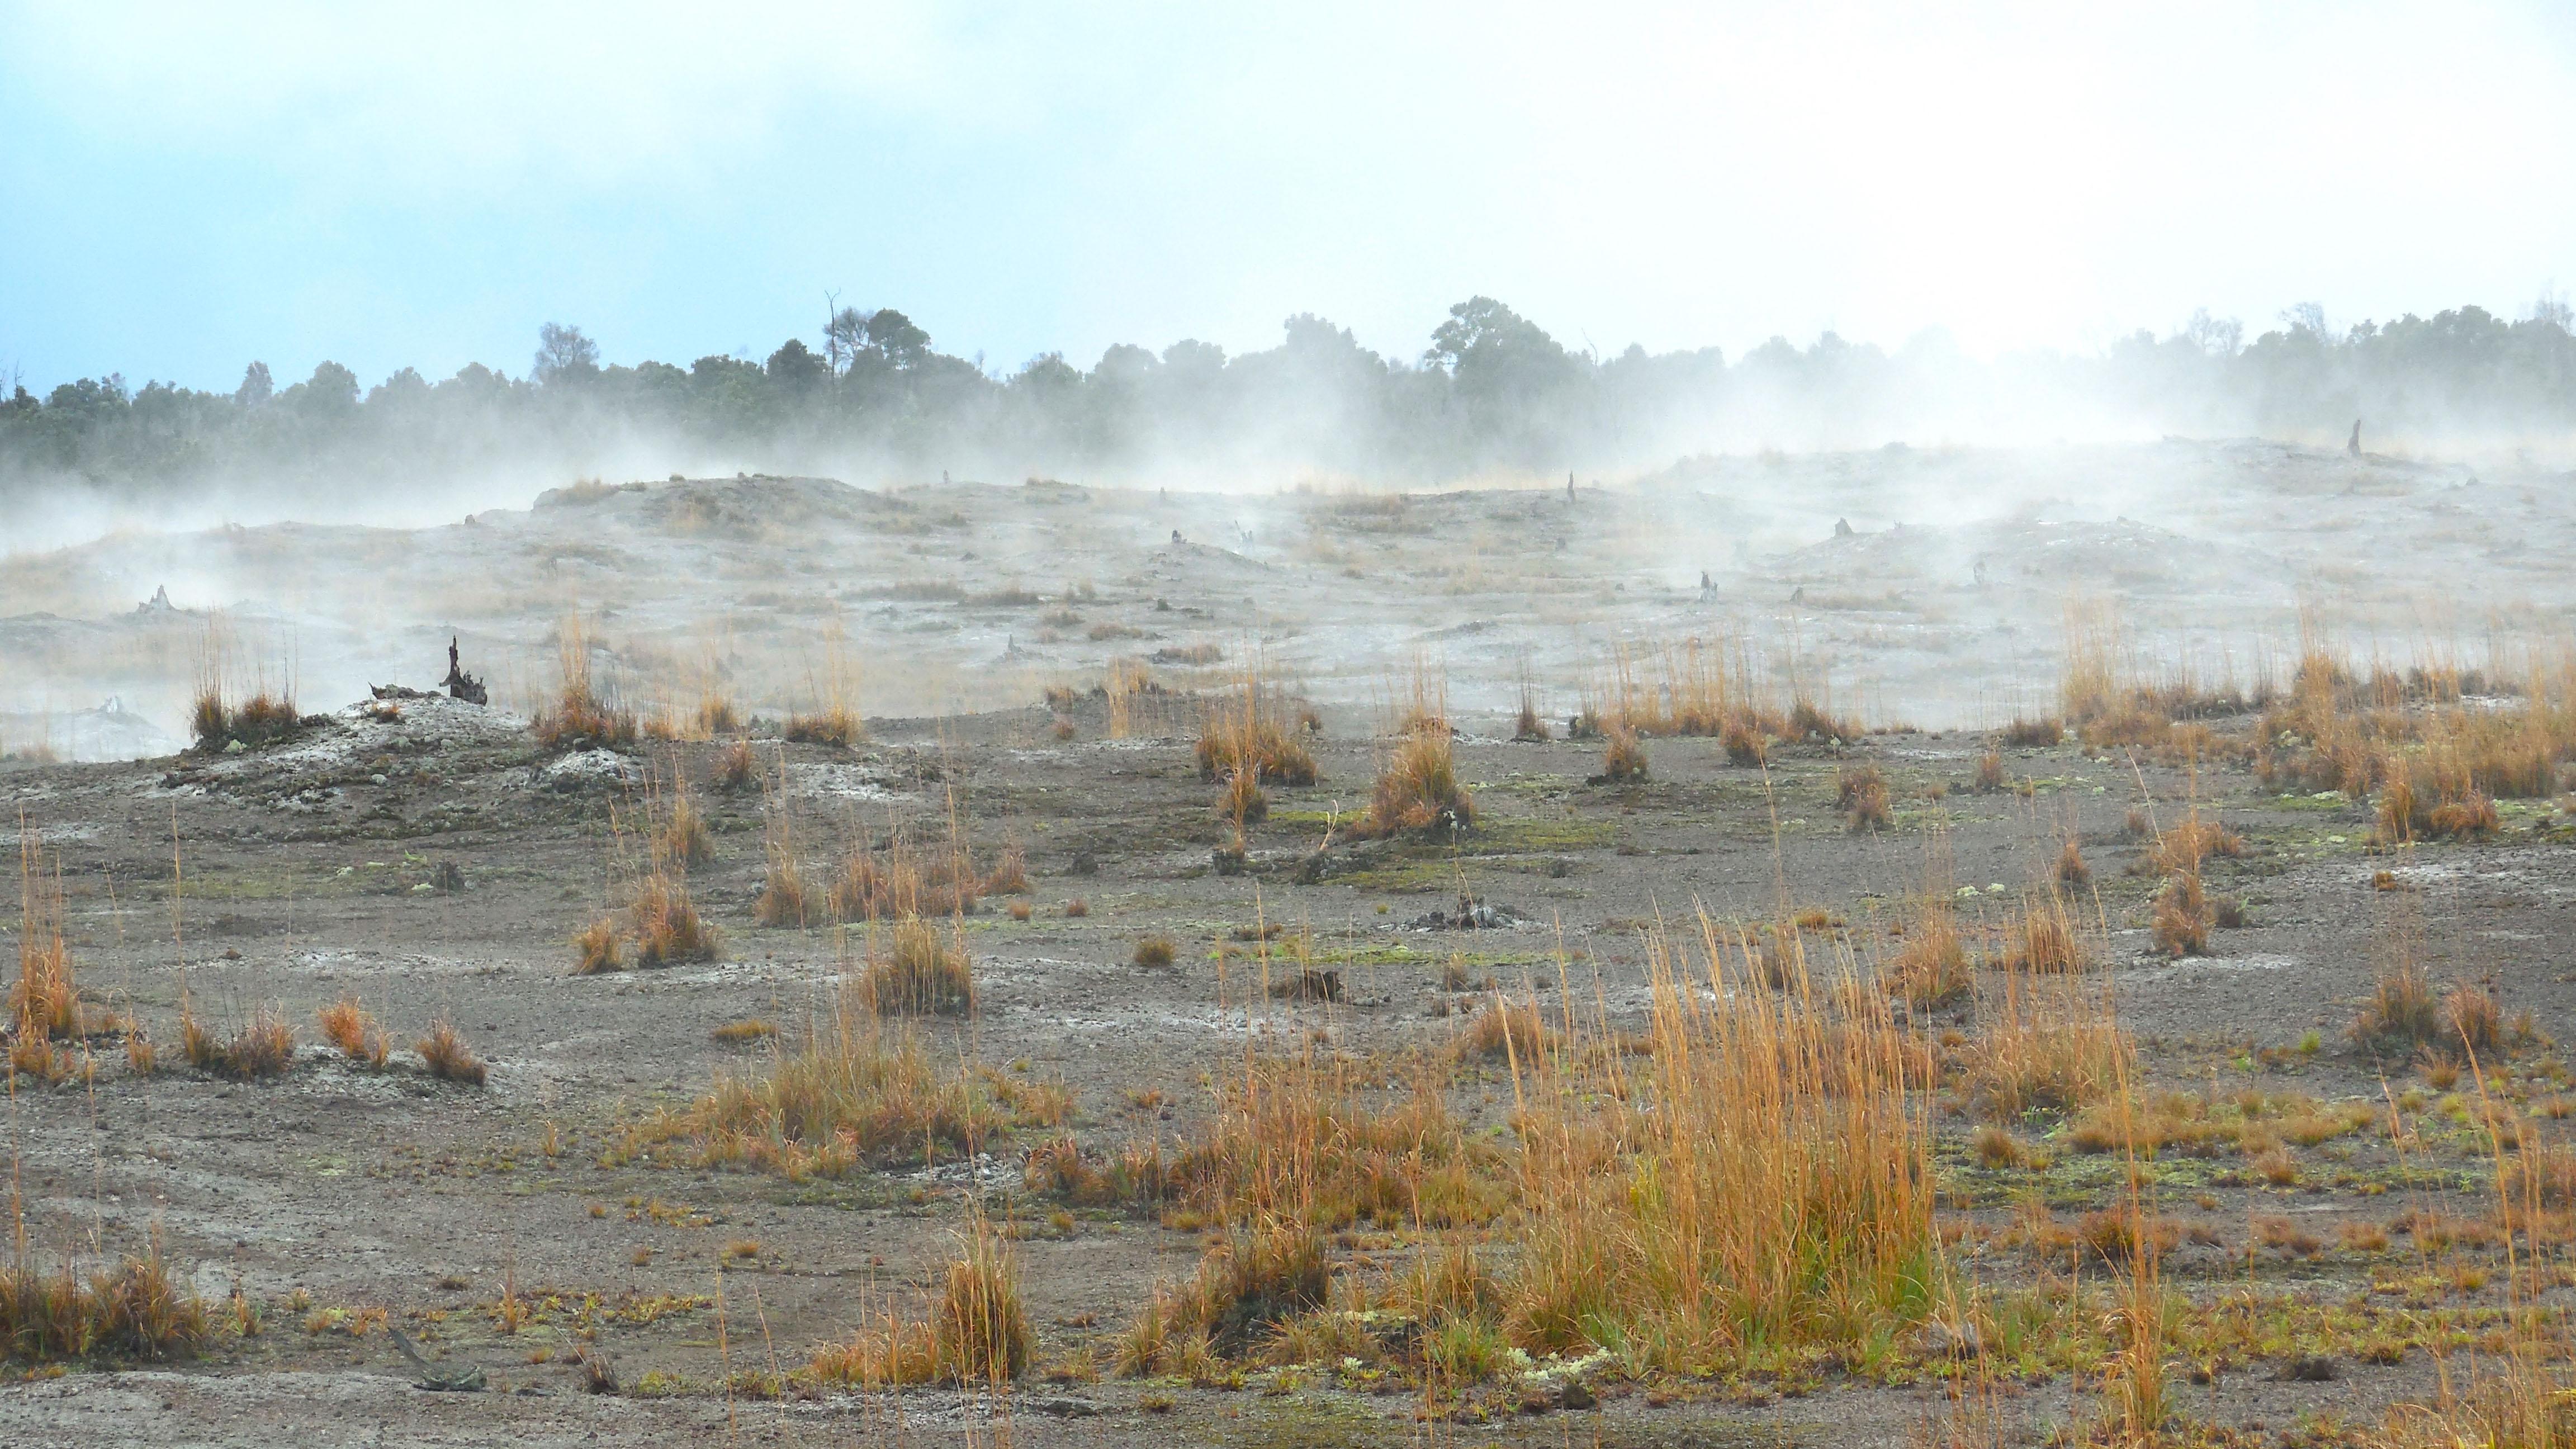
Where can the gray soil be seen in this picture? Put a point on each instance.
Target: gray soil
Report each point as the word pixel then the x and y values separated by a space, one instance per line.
pixel 302 872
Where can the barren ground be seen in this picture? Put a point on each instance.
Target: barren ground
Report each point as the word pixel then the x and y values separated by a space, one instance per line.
pixel 299 873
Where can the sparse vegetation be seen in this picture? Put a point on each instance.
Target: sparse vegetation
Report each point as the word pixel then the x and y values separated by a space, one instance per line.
pixel 349 1026
pixel 444 1053
pixel 1623 757
pixel 922 973
pixel 1156 952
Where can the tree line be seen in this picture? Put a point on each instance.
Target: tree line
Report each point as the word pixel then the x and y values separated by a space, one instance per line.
pixel 1492 393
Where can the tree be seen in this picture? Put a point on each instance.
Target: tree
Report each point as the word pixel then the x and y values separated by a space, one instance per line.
pixel 563 354
pixel 844 333
pixel 895 337
pixel 795 366
pixel 255 387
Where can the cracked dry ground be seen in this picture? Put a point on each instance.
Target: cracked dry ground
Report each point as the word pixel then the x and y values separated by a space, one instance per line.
pixel 508 1226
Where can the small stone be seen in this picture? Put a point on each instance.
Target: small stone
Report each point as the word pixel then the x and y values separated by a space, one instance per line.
pixel 1576 1395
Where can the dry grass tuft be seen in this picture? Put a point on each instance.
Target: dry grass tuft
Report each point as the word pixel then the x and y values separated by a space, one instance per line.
pixel 1623 758
pixel 667 929
pixel 1418 789
pixel 738 1033
pixel 2045 940
pixel 1252 734
pixel 2034 734
pixel 1510 1031
pixel 2071 869
pixel 1529 728
pixel 2050 1041
pixel 736 769
pixel 1931 968
pixel 1990 771
pixel 44 1002
pixel 597 948
pixel 579 718
pixel 683 842
pixel 349 1026
pixel 264 1047
pixel 785 899
pixel 922 975
pixel 1156 951
pixel 975 1332
pixel 889 884
pixel 835 725
pixel 1745 744
pixel 1860 792
pixel 136 1308
pixel 852 1091
pixel 447 1057
pixel 2182 916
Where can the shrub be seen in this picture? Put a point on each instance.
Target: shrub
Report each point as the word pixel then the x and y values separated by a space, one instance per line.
pixel 1243 800
pixel 447 1057
pixel 1156 951
pixel 1077 908
pixel 1990 771
pixel 923 975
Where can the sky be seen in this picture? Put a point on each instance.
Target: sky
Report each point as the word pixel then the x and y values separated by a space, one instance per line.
pixel 185 188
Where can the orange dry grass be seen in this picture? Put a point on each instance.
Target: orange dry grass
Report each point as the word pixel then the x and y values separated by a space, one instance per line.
pixel 2046 939
pixel 43 1001
pixel 1249 734
pixel 921 975
pixel 598 948
pixel 264 1047
pixel 2182 916
pixel 138 1308
pixel 2050 1040
pixel 444 1053
pixel 883 885
pixel 579 718
pixel 975 1332
pixel 349 1026
pixel 1623 758
pixel 1637 1188
pixel 1418 789
pixel 851 1091
pixel 667 929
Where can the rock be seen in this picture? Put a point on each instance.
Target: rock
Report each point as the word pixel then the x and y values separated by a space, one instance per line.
pixel 2308 1368
pixel 1576 1395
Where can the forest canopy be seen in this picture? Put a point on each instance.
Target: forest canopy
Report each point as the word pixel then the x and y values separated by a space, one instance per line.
pixel 1494 393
